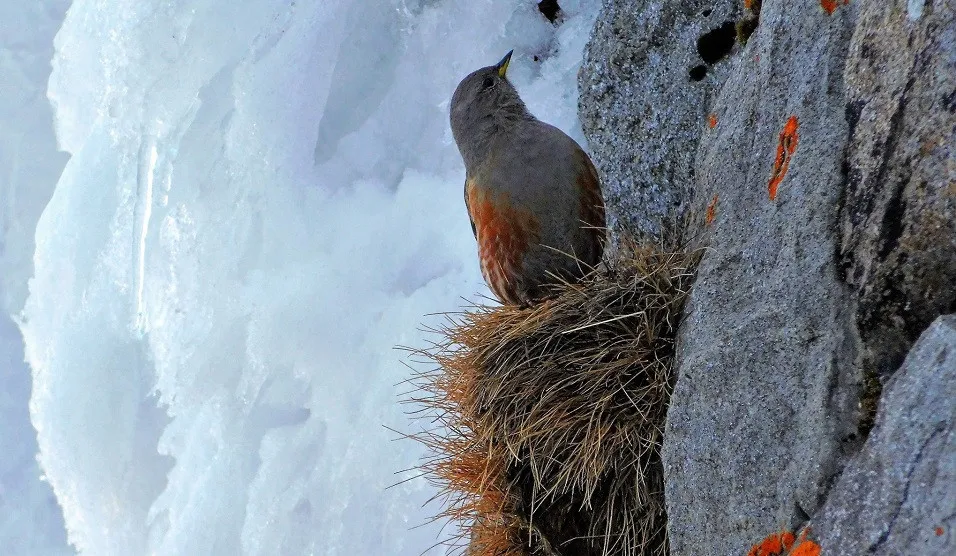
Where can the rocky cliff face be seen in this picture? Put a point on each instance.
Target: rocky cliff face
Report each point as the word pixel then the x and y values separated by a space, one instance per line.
pixel 644 97
pixel 896 496
pixel 818 164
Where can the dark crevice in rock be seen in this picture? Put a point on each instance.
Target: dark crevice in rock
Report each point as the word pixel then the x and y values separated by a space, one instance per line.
pixel 800 514
pixel 893 218
pixel 749 22
pixel 869 402
pixel 697 72
pixel 850 180
pixel 852 177
pixel 892 224
pixel 716 44
pixel 852 113
pixel 746 27
pixel 550 9
pixel 949 101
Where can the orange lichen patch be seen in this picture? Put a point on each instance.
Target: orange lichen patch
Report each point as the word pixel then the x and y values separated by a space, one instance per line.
pixel 806 548
pixel 939 531
pixel 782 544
pixel 711 210
pixel 712 121
pixel 785 149
pixel 829 6
pixel 774 545
pixel 748 4
pixel 504 234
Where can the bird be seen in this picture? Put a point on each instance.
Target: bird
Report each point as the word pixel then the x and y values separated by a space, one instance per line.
pixel 533 195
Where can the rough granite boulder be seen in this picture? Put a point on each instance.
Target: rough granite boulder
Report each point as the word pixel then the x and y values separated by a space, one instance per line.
pixel 764 412
pixel 898 222
pixel 651 69
pixel 898 496
pixel 817 163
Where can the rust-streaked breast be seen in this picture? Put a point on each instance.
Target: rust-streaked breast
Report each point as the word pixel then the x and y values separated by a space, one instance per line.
pixel 504 233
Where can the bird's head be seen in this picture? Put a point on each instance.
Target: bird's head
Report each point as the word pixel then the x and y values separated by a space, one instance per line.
pixel 483 101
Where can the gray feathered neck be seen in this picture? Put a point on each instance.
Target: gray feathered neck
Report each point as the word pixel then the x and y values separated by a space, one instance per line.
pixel 480 114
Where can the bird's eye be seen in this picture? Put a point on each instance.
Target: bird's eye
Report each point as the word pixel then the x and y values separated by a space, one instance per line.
pixel 488 82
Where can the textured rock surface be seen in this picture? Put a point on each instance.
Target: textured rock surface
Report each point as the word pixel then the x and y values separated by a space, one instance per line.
pixel 899 217
pixel 818 161
pixel 899 494
pixel 641 110
pixel 765 408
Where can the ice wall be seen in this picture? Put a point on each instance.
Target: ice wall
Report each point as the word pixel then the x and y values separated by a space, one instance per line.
pixel 30 519
pixel 263 200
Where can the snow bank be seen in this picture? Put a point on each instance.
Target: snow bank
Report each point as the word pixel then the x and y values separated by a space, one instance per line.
pixel 263 200
pixel 30 519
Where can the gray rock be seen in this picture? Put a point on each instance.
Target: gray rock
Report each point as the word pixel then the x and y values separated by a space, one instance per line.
pixel 899 495
pixel 803 293
pixel 641 111
pixel 898 222
pixel 764 412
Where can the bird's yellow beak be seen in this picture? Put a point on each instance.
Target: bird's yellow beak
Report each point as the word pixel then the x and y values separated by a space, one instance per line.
pixel 503 64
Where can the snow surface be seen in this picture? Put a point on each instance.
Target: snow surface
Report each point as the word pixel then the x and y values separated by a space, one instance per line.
pixel 30 519
pixel 263 199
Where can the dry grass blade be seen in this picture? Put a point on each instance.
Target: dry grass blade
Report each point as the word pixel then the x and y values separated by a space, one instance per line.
pixel 545 424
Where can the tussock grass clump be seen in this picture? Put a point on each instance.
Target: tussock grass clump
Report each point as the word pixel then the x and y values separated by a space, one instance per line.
pixel 546 422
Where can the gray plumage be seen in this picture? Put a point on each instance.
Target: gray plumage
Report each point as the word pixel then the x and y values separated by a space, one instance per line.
pixel 533 173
